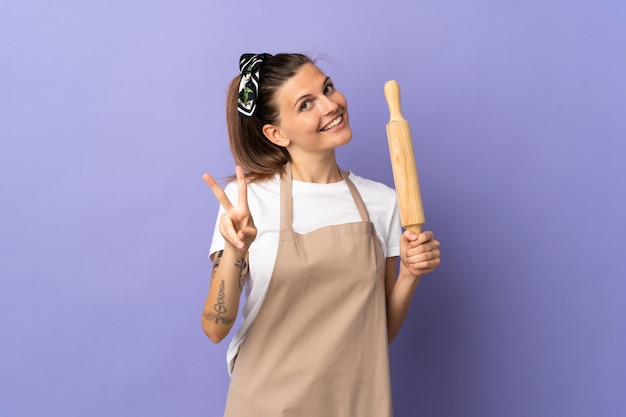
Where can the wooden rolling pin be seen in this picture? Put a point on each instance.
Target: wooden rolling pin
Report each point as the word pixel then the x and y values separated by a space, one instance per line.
pixel 403 162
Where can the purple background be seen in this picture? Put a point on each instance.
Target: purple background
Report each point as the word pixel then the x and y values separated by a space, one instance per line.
pixel 111 111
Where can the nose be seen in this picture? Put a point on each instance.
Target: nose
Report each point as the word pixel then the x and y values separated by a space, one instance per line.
pixel 328 105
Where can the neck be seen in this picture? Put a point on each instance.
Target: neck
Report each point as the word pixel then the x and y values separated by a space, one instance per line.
pixel 323 171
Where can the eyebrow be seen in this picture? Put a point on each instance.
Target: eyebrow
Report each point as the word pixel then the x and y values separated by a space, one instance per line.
pixel 308 95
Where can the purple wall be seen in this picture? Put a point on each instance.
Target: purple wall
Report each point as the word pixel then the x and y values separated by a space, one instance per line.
pixel 111 111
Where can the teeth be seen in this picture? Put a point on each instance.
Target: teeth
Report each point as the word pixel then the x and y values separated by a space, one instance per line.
pixel 333 123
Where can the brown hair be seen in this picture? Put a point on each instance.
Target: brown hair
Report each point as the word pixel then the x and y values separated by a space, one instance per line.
pixel 261 158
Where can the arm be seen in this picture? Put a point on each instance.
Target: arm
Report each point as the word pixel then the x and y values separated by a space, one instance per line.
pixel 230 265
pixel 230 268
pixel 418 255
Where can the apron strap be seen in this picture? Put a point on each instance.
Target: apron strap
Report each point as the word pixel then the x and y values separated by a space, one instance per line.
pixel 286 201
pixel 356 196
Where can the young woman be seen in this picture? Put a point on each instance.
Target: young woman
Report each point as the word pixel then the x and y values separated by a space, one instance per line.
pixel 316 249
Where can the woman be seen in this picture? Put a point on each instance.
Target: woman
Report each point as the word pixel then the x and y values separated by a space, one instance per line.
pixel 316 249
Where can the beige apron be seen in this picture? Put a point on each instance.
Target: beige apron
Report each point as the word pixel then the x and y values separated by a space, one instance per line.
pixel 318 347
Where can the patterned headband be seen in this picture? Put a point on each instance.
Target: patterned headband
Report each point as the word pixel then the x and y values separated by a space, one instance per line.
pixel 249 66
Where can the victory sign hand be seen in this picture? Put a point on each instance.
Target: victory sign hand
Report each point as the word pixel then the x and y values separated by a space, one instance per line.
pixel 236 224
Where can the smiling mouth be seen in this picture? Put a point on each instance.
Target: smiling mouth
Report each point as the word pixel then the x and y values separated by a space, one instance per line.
pixel 333 123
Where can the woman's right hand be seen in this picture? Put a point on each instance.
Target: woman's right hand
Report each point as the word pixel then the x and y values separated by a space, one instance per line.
pixel 236 224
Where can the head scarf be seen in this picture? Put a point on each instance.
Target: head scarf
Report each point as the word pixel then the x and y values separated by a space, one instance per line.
pixel 249 67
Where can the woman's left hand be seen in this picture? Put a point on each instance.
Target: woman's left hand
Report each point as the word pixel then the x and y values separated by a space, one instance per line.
pixel 419 253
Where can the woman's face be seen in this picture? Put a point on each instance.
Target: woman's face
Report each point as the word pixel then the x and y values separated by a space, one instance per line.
pixel 313 115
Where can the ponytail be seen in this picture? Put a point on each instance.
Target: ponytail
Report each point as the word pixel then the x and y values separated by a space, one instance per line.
pixel 261 158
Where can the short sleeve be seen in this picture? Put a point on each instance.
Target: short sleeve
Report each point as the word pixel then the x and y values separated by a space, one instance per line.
pixel 394 233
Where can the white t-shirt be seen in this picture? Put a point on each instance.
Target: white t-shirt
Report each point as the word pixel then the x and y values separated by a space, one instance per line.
pixel 314 206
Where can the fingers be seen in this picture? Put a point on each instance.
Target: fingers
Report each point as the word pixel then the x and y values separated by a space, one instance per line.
pixel 242 187
pixel 420 253
pixel 425 237
pixel 236 238
pixel 423 263
pixel 424 252
pixel 218 191
pixel 416 240
pixel 236 224
pixel 227 229
pixel 422 268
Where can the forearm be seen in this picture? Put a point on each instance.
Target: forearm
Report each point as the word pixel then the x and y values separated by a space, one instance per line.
pixel 399 299
pixel 222 303
pixel 419 255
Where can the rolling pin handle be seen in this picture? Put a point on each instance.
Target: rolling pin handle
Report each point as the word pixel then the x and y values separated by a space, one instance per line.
pixel 392 94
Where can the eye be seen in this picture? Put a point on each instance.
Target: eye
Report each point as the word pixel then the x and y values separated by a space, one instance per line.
pixel 329 89
pixel 305 105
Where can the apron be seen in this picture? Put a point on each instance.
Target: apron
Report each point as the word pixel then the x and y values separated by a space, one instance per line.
pixel 318 347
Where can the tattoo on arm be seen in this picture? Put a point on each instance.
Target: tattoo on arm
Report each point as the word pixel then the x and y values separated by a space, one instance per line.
pixel 217 318
pixel 243 269
pixel 217 256
pixel 219 308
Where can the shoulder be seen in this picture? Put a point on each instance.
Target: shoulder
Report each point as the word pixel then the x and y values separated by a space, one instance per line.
pixel 371 189
pixel 260 189
pixel 263 201
pixel 382 206
pixel 379 198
